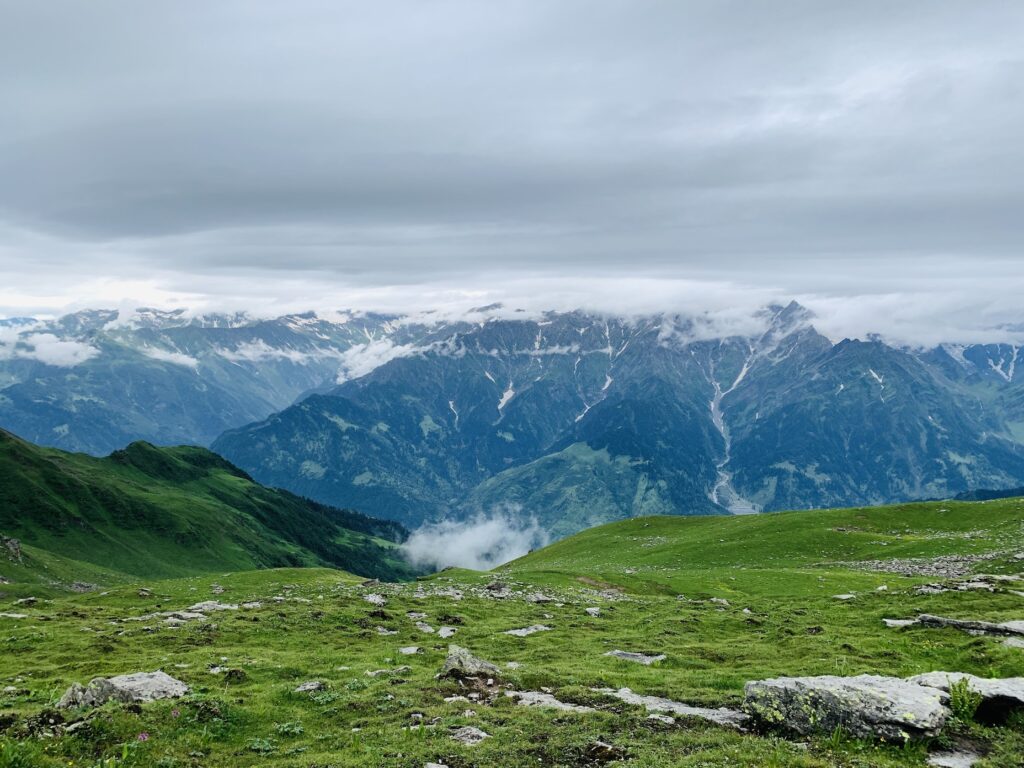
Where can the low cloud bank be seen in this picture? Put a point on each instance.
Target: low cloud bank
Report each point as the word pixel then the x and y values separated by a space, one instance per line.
pixel 481 543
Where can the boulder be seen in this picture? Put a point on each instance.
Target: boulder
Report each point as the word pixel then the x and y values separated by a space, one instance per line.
pixel 639 658
pixel 310 686
pixel 865 706
pixel 461 663
pixel 127 689
pixel 998 695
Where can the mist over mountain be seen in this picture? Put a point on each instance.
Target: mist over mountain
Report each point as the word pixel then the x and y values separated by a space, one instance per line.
pixel 575 418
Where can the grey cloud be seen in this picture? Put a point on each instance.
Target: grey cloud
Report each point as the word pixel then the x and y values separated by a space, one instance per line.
pixel 234 150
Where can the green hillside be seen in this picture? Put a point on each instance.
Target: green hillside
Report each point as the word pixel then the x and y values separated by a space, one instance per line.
pixel 727 600
pixel 162 512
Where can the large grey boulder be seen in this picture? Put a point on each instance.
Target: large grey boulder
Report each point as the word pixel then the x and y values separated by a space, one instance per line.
pixel 866 706
pixel 998 695
pixel 127 689
pixel 461 663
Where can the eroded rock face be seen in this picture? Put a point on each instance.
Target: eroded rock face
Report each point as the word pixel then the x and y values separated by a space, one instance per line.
pixel 866 706
pixel 127 689
pixel 461 663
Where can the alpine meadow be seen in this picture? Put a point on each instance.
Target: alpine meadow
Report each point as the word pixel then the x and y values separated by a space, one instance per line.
pixel 573 384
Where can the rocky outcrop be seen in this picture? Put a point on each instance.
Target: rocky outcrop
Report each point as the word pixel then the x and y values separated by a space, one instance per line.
pixel 127 689
pixel 866 706
pixel 544 700
pixel 730 718
pixel 639 658
pixel 461 663
pixel 983 627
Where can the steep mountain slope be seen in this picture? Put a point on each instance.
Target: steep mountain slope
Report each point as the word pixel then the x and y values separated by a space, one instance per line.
pixel 575 419
pixel 95 381
pixel 152 512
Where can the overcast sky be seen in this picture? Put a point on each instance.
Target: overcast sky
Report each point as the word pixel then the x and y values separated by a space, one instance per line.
pixel 865 157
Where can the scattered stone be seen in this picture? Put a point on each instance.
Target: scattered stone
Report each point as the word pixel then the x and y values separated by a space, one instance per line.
pixel 445 632
pixel 252 605
pixel 435 765
pixel 1014 642
pixel 217 589
pixel 546 700
pixel 665 719
pixel 13 615
pixel 639 658
pixel 424 627
pixel 897 623
pixel 513 665
pixel 730 718
pixel 593 612
pixel 375 599
pixel 211 606
pixel 127 689
pixel 603 752
pixel 26 601
pixel 844 596
pixel 384 631
pixel 410 650
pixel 525 631
pixel 953 759
pixel 310 686
pixel 866 706
pixel 461 663
pixel 13 547
pixel 469 735
pixel 416 615
pixel 719 601
pixel 539 598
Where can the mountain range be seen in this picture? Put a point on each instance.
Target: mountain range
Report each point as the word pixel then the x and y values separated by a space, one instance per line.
pixel 572 418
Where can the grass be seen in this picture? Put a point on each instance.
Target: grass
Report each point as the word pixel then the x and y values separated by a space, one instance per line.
pixel 784 569
pixel 153 512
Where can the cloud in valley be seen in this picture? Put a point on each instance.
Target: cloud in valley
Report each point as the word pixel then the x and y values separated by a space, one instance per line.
pixel 481 543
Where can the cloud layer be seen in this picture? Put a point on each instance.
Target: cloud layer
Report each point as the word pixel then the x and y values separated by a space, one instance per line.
pixel 863 157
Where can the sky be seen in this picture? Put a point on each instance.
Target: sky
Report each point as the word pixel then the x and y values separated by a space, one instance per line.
pixel 629 156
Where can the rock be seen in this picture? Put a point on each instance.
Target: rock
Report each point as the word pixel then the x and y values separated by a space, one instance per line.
pixel 730 718
pixel 953 759
pixel 1014 642
pixel 844 596
pixel 13 547
pixel 310 686
pixel 513 665
pixel 424 627
pixel 546 700
pixel 665 719
pixel 469 735
pixel 998 695
pixel 603 752
pixel 593 612
pixel 26 601
pixel 525 631
pixel 211 606
pixel 252 605
pixel 127 689
pixel 416 615
pixel 445 632
pixel 639 658
pixel 866 706
pixel 144 592
pixel 719 601
pixel 385 632
pixel 984 627
pixel 13 615
pixel 897 623
pixel 435 765
pixel 461 663
pixel 375 599
pixel 410 650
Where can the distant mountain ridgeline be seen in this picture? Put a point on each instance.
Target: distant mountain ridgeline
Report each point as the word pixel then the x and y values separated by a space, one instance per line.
pixel 159 512
pixel 572 418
